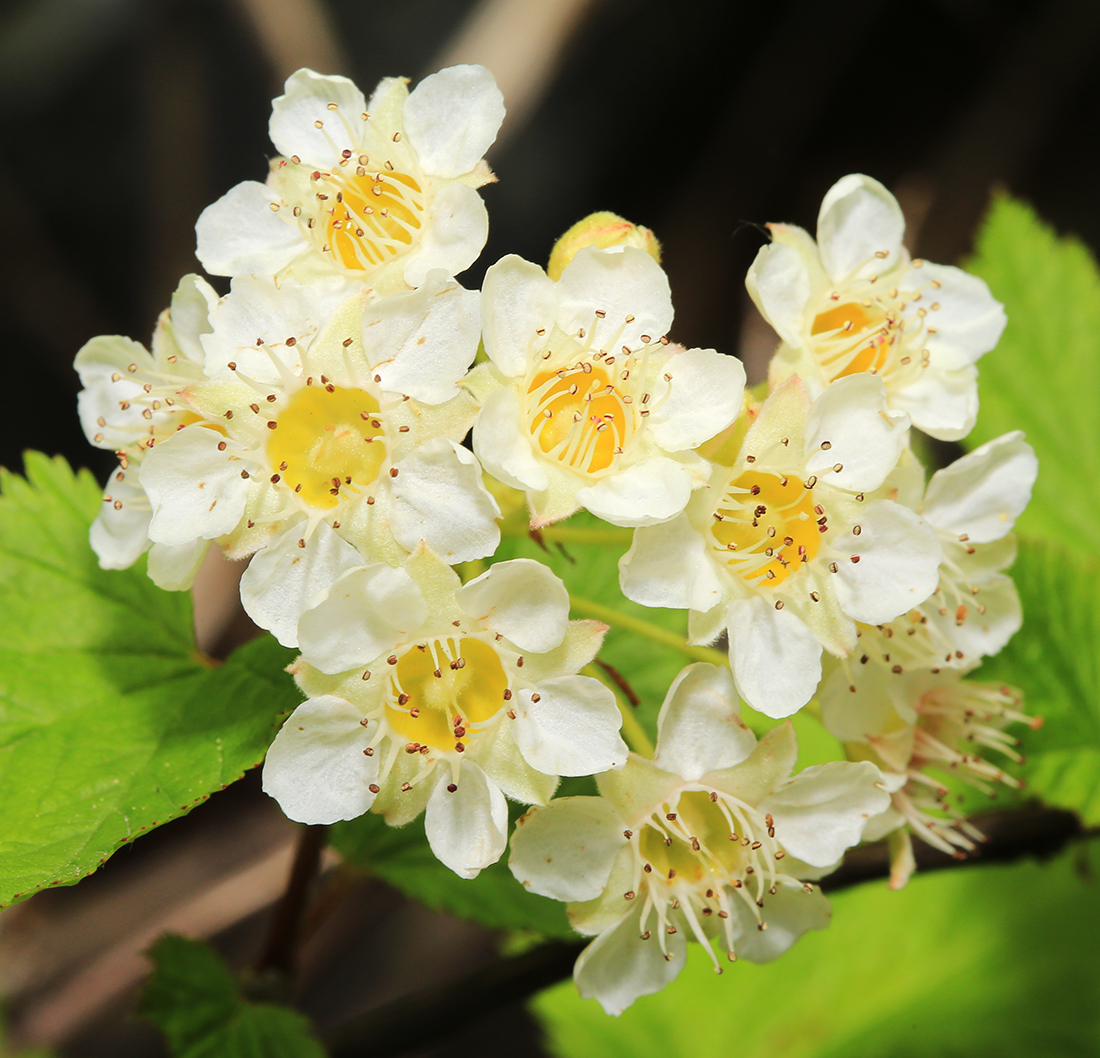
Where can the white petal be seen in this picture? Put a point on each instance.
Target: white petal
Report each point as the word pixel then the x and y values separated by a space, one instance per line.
pixel 789 913
pixel 592 917
pixel 646 493
pixel 283 577
pixel 822 811
pixel 779 282
pixel 621 282
pixel 252 323
pixel 295 117
pixel 103 365
pixel 439 497
pixel 120 534
pixel 618 966
pixel 969 321
pixel 517 299
pixel 173 567
pixel 195 490
pixel 504 446
pixel 454 233
pixel 699 728
pixel 944 404
pixel 978 634
pixel 365 613
pixel 497 754
pixel 859 218
pixel 189 316
pixel 566 850
pixel 316 768
pixel 775 658
pixel 981 495
pixel 668 565
pixel 704 398
pixel 240 233
pixel 421 342
pixel 452 117
pixel 569 726
pixel 849 426
pixel 522 600
pixel 898 568
pixel 467 828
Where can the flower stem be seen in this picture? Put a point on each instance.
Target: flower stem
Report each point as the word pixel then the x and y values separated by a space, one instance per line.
pixel 633 731
pixel 573 534
pixel 645 629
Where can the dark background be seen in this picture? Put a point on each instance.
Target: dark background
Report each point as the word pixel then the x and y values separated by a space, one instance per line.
pixel 121 119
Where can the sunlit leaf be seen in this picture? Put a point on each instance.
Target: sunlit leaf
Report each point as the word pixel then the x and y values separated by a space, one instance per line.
pixel 980 961
pixel 1042 377
pixel 110 722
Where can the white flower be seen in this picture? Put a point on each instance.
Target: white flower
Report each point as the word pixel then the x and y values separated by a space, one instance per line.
pixel 333 439
pixel 974 611
pixel 128 405
pixel 585 402
pixel 380 192
pixel 926 721
pixel 855 302
pixel 712 839
pixel 784 551
pixel 442 698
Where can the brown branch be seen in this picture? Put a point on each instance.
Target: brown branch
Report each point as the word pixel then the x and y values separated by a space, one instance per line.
pixel 274 970
pixel 416 1021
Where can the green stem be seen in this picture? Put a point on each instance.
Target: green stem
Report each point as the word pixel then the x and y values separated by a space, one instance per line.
pixel 633 731
pixel 575 534
pixel 645 629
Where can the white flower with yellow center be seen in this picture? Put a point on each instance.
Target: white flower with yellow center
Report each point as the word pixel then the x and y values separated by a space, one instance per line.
pixel 854 302
pixel 926 722
pixel 973 505
pixel 783 551
pixel 585 402
pixel 334 439
pixel 379 193
pixel 712 839
pixel 128 405
pixel 427 695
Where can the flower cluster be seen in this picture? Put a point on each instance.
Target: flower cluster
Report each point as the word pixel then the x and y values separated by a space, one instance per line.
pixel 313 421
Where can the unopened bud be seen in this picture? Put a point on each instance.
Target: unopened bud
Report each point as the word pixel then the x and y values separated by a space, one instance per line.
pixel 602 230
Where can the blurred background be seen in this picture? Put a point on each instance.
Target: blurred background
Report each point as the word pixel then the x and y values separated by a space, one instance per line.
pixel 120 120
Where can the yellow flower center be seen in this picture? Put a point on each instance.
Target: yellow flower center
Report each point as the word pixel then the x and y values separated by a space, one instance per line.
pixel 325 440
pixel 363 217
pixel 580 417
pixel 854 339
pixel 766 526
pixel 444 690
pixel 693 845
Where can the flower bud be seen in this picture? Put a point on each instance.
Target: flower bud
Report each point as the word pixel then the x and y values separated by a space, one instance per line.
pixel 602 230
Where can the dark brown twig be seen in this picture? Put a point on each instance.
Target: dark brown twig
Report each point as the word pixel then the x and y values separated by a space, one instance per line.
pixel 279 956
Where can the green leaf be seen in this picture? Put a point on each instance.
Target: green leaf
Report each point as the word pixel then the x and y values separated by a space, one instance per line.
pixel 401 856
pixel 1055 660
pixel 1042 375
pixel 110 722
pixel 978 961
pixel 193 999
